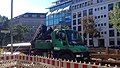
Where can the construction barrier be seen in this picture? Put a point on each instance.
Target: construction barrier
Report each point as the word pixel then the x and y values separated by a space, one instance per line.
pixel 7 61
pixel 26 61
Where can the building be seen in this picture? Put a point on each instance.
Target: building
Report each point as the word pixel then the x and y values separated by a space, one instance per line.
pixel 59 14
pixel 31 20
pixel 99 9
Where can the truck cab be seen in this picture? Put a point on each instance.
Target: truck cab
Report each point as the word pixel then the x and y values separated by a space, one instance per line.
pixel 68 44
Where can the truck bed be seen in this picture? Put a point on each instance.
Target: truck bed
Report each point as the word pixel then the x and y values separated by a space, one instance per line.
pixel 43 44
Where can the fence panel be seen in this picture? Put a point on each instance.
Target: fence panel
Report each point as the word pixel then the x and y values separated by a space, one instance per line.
pixel 27 61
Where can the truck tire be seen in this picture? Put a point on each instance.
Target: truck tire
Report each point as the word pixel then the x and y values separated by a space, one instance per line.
pixel 67 56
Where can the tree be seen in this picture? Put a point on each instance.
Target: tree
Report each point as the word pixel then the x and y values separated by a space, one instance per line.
pixel 19 31
pixel 114 15
pixel 4 25
pixel 89 26
pixel 4 22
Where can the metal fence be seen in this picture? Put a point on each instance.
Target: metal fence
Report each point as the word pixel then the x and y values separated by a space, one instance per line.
pixel 27 61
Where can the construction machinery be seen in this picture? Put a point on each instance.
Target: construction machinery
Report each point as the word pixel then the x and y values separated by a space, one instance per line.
pixel 59 43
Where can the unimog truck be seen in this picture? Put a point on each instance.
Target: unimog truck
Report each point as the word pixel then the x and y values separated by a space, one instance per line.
pixel 59 43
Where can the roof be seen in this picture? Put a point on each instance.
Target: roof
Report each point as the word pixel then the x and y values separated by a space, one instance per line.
pixel 29 15
pixel 19 44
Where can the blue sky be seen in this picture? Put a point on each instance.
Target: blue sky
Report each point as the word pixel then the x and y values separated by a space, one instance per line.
pixel 23 6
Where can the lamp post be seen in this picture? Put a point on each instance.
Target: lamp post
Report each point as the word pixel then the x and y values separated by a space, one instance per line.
pixel 11 27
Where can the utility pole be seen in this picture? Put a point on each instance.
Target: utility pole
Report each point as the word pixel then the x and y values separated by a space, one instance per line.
pixel 11 27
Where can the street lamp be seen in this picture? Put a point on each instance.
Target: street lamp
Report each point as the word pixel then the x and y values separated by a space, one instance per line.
pixel 11 27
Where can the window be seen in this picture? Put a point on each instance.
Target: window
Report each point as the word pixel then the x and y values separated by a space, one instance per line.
pixel 79 21
pixel 110 26
pixel 98 9
pixel 85 35
pixel 83 4
pixel 91 11
pixel 74 22
pixel 95 25
pixel 104 15
pixel 105 32
pixel 119 4
pixel 98 16
pixel 79 14
pixel 118 42
pixel 101 32
pixel 104 24
pixel 101 8
pixel 111 33
pixel 85 42
pixel 110 7
pixel 90 35
pixel 74 28
pixel 79 28
pixel 34 15
pixel 42 16
pixel 98 1
pixel 78 6
pixel 25 15
pixel 104 7
pixel 101 16
pixel 84 12
pixel 89 3
pixel 86 3
pixel 111 42
pixel 90 42
pixel 98 24
pixel 118 34
pixel 95 9
pixel 74 15
pixel 95 17
pixel 73 7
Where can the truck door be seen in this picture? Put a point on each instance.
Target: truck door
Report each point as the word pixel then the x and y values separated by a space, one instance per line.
pixel 59 39
pixel 61 36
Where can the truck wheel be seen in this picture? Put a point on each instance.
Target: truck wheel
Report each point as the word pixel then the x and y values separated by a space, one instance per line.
pixel 67 57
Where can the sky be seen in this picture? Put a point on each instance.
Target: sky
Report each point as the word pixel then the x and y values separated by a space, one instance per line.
pixel 23 6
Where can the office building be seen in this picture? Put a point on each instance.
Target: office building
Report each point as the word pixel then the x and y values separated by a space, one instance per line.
pixel 31 20
pixel 59 13
pixel 99 9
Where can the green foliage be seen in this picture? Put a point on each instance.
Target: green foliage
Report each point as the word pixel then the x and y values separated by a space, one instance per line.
pixel 4 25
pixel 19 31
pixel 114 15
pixel 4 22
pixel 62 27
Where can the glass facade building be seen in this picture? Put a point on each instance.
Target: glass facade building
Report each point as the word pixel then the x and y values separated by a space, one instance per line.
pixel 59 14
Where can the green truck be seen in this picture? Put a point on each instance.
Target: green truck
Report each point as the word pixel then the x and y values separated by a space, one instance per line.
pixel 60 43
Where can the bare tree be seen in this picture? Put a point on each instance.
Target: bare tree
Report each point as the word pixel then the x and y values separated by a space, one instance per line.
pixel 89 27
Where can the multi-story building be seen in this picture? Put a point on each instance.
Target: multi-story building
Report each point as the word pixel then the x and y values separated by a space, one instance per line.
pixel 59 14
pixel 99 9
pixel 31 20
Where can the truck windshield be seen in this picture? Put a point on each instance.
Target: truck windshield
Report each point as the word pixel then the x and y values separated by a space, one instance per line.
pixel 74 38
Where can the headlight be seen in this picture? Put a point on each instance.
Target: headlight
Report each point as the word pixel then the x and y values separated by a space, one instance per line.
pixel 79 55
